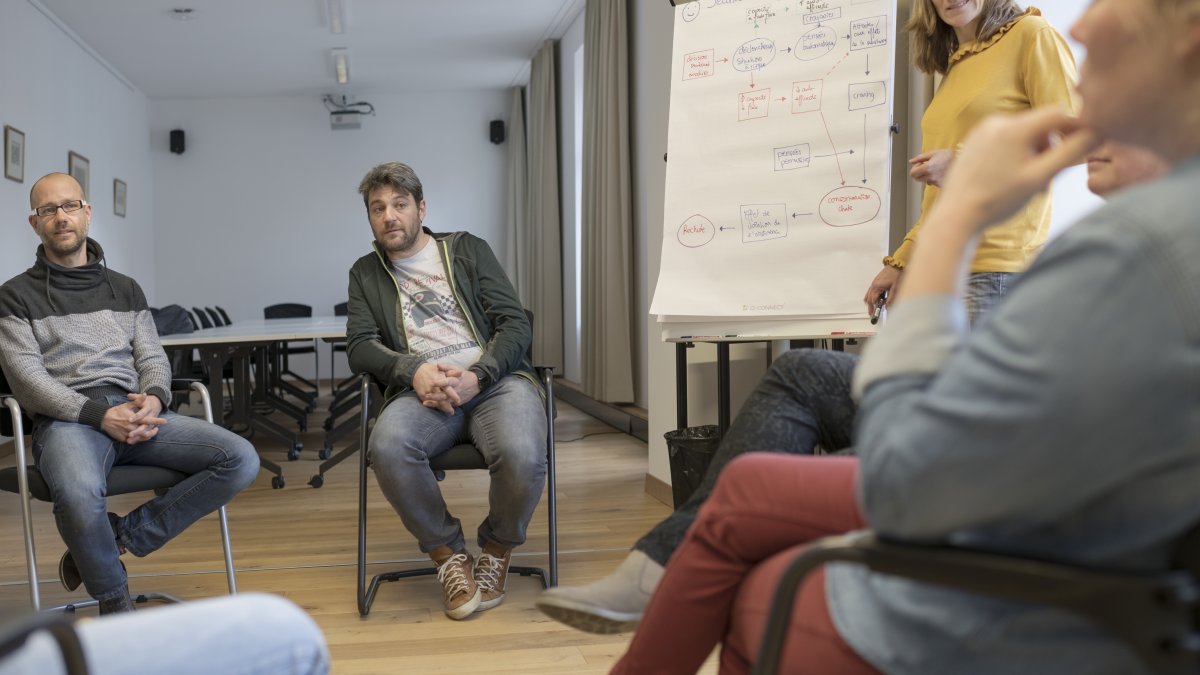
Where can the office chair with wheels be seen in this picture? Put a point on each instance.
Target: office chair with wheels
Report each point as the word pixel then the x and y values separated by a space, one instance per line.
pixel 340 309
pixel 1157 615
pixel 460 457
pixel 217 320
pixel 295 310
pixel 344 398
pixel 203 317
pixel 207 318
pixel 25 480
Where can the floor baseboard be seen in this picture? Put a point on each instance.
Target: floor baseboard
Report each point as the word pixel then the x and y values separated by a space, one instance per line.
pixel 611 415
pixel 660 490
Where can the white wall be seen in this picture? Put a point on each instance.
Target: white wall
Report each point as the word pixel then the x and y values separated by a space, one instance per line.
pixel 66 99
pixel 262 207
pixel 651 31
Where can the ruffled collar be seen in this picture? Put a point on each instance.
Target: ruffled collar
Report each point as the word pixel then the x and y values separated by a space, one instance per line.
pixel 976 46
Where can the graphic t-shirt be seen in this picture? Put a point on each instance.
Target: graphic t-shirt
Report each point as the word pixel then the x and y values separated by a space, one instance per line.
pixel 436 327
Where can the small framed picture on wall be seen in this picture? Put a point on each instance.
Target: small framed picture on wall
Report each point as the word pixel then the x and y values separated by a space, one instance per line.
pixel 14 154
pixel 118 197
pixel 80 169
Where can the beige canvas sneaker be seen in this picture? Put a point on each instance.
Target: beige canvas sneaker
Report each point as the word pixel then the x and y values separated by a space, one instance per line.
pixel 491 575
pixel 460 593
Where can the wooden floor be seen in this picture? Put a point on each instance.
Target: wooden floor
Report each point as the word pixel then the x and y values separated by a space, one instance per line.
pixel 300 542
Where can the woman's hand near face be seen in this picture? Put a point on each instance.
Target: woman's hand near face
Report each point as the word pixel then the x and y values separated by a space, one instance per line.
pixel 1007 160
pixel 1003 163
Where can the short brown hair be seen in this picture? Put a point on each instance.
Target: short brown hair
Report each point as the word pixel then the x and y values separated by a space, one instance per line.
pixel 392 174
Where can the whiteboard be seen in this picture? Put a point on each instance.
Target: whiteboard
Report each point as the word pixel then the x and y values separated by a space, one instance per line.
pixel 779 162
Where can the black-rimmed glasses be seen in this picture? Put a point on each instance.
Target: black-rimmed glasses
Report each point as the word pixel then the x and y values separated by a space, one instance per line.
pixel 67 207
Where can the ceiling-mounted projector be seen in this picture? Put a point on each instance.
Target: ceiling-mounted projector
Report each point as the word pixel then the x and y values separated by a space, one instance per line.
pixel 345 119
pixel 346 115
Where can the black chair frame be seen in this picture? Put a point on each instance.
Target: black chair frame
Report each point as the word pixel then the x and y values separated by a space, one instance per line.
pixel 1156 614
pixel 460 457
pixel 13 636
pixel 25 480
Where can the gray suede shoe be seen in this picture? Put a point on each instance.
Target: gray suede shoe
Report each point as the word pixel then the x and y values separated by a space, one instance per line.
pixel 613 604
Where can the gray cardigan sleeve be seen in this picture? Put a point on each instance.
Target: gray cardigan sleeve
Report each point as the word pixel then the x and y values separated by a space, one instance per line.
pixel 1033 415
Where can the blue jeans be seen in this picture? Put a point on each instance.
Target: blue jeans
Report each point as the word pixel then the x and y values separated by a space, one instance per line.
pixel 508 425
pixel 75 460
pixel 984 291
pixel 247 634
pixel 802 402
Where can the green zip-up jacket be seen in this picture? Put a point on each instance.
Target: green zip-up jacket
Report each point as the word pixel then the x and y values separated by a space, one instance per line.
pixel 377 344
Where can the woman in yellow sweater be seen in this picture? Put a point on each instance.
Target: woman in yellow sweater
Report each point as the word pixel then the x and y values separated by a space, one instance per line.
pixel 995 58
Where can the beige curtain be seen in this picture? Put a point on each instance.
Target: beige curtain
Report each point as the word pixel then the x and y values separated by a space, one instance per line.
pixel 544 239
pixel 516 257
pixel 607 340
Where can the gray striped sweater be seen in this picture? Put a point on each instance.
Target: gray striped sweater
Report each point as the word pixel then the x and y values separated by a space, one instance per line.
pixel 69 337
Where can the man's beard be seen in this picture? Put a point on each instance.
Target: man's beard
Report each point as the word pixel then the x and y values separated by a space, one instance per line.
pixel 62 248
pixel 405 243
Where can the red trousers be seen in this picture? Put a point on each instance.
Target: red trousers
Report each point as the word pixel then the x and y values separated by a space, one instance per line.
pixel 721 580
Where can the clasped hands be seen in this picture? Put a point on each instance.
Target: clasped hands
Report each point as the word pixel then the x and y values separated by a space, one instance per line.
pixel 134 421
pixel 444 386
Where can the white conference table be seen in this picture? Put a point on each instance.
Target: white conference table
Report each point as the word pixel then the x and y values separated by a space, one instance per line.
pixel 235 343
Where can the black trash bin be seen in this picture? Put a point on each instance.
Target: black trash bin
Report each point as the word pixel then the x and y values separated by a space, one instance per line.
pixel 691 450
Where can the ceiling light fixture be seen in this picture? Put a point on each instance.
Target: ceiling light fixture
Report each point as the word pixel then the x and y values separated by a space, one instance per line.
pixel 341 64
pixel 187 13
pixel 337 16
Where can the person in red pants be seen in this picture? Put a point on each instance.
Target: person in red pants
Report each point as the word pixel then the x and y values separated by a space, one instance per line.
pixel 765 508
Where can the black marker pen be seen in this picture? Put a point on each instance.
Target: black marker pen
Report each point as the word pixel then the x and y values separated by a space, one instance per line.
pixel 878 308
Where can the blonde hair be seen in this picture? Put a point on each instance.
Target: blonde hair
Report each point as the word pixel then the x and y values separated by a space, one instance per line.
pixel 933 40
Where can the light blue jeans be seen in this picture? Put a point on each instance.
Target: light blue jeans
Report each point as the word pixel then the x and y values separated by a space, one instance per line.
pixel 984 291
pixel 248 634
pixel 75 460
pixel 508 425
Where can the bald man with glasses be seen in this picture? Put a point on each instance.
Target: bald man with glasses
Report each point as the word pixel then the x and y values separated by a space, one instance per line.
pixel 79 350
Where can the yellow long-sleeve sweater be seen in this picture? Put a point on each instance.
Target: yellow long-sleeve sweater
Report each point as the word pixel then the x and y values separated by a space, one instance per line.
pixel 1027 64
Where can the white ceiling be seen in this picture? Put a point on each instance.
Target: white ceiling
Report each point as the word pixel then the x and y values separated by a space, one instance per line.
pixel 234 48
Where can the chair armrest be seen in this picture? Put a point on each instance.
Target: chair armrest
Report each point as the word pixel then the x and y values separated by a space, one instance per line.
pixel 1153 613
pixel 14 635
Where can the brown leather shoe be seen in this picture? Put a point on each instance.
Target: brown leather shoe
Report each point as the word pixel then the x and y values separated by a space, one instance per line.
pixel 460 594
pixel 491 575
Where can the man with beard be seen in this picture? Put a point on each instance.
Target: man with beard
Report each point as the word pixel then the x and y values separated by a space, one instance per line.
pixel 434 319
pixel 79 349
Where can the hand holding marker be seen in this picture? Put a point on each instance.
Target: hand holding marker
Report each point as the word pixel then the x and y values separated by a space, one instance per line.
pixel 879 303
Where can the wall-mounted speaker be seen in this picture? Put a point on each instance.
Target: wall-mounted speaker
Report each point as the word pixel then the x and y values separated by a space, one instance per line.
pixel 496 131
pixel 177 141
